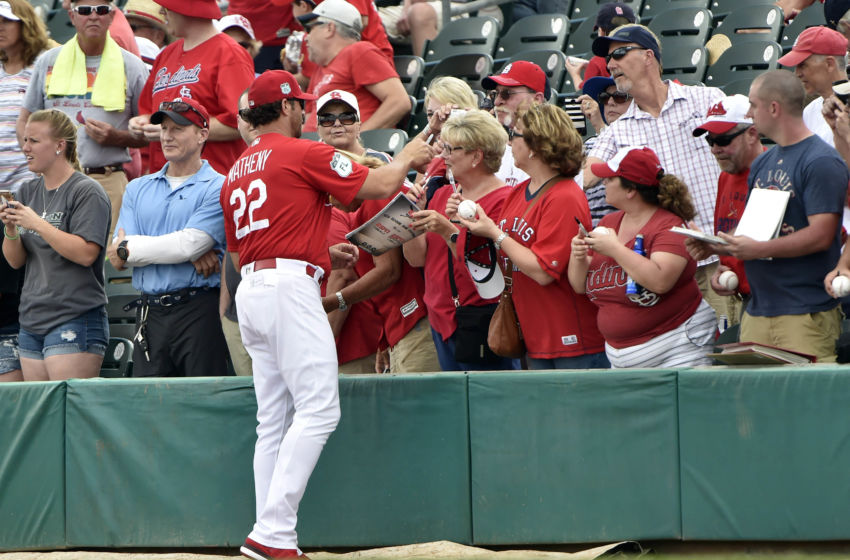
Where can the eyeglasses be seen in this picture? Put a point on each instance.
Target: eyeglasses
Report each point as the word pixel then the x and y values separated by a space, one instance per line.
pixel 308 27
pixel 345 119
pixel 505 94
pixel 87 10
pixel 451 149
pixel 181 107
pixel 514 134
pixel 617 96
pixel 620 52
pixel 724 140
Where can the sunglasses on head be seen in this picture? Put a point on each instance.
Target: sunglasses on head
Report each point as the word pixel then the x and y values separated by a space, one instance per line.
pixel 620 52
pixel 87 10
pixel 345 119
pixel 617 96
pixel 724 140
pixel 181 107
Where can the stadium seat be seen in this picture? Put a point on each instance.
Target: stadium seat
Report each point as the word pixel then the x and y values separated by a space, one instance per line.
pixel 743 61
pixel 580 41
pixel 551 61
pixel 471 68
pixel 685 64
pixel 59 25
pixel 410 70
pixel 803 20
pixel 761 22
pixel 681 28
pixel 739 86
pixel 310 136
pixel 474 35
pixel 119 292
pixel 722 8
pixel 389 140
pixel 118 359
pixel 418 119
pixel 540 32
pixel 653 8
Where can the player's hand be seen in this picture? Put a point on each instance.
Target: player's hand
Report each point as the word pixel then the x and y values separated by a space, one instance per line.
pixel 207 264
pixel 418 153
pixel 715 282
pixel 99 131
pixel 742 247
pixel 343 255
pixel 112 251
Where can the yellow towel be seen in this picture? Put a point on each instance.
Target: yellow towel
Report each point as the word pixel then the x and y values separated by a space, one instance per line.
pixel 69 75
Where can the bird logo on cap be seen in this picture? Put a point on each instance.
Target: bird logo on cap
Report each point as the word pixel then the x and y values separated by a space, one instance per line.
pixel 285 88
pixel 506 69
pixel 336 95
pixel 717 110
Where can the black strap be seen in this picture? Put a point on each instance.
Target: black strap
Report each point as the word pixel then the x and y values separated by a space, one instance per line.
pixel 452 278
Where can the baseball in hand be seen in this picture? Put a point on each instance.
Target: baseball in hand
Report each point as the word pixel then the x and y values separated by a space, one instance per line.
pixel 602 230
pixel 841 286
pixel 729 280
pixel 466 209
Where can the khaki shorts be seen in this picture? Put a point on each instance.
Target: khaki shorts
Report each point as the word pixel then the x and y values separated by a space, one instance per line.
pixel 723 305
pixel 391 14
pixel 238 355
pixel 415 352
pixel 810 333
pixel 366 364
pixel 113 182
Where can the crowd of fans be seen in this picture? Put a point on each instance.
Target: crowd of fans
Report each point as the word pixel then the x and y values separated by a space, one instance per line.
pixel 116 144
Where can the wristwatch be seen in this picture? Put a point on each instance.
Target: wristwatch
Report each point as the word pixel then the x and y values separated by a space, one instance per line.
pixel 453 237
pixel 123 252
pixel 342 305
pixel 498 241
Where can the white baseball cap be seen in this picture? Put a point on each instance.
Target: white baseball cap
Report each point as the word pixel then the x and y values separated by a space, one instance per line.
pixel 339 11
pixel 339 96
pixel 483 265
pixel 725 115
pixel 235 20
pixel 6 11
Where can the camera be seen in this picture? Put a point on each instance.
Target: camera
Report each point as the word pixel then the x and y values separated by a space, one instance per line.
pixel 841 89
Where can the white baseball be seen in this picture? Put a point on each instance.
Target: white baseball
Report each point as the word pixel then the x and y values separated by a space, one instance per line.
pixel 728 280
pixel 602 230
pixel 841 286
pixel 466 209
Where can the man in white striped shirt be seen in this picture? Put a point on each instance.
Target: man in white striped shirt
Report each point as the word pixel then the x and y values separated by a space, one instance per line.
pixel 662 117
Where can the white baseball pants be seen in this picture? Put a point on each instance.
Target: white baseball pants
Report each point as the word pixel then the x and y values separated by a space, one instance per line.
pixel 287 334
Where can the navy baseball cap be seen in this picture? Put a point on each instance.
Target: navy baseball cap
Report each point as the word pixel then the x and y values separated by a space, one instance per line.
pixel 596 85
pixel 607 12
pixel 834 10
pixel 628 34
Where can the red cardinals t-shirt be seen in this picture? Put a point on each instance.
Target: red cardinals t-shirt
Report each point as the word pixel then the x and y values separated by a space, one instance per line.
pixel 215 73
pixel 623 322
pixel 438 290
pixel 556 322
pixel 266 18
pixel 731 199
pixel 275 198
pixel 356 66
pixel 374 31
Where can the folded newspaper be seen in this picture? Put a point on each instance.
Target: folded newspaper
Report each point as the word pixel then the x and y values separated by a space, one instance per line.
pixel 387 229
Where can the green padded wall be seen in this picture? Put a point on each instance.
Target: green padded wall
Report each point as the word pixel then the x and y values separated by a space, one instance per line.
pixel 765 453
pixel 396 470
pixel 32 465
pixel 574 457
pixel 165 462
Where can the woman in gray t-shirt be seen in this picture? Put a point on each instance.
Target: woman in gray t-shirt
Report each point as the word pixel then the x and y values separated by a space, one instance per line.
pixel 58 227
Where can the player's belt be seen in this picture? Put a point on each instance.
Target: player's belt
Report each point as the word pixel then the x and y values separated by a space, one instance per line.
pixel 311 270
pixel 106 169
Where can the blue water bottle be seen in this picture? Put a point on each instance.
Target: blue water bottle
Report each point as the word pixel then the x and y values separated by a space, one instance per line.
pixel 632 287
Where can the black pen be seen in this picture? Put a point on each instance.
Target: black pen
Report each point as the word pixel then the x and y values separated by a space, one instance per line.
pixel 580 226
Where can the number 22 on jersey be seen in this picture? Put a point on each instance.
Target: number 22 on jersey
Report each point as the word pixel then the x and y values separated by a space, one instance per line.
pixel 239 200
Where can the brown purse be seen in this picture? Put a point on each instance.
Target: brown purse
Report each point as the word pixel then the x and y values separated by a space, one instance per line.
pixel 505 334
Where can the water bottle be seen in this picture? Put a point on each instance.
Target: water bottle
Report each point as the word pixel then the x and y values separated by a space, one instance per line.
pixel 632 287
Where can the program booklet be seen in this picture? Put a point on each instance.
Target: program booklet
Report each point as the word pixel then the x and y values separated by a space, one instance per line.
pixel 707 237
pixel 763 214
pixel 387 229
pixel 752 353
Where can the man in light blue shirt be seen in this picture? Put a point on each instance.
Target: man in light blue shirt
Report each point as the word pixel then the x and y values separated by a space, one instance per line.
pixel 171 231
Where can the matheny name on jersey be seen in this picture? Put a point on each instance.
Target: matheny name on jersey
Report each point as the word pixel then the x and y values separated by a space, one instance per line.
pixel 165 80
pixel 250 163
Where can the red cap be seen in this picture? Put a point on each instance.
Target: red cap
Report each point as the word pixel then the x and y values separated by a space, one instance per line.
pixel 177 111
pixel 205 9
pixel 815 40
pixel 274 85
pixel 638 165
pixel 519 73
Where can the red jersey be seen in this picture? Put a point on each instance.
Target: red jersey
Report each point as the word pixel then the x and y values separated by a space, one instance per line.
pixel 275 198
pixel 595 67
pixel 215 73
pixel 438 291
pixel 401 306
pixel 556 322
pixel 731 199
pixel 361 332
pixel 623 322
pixel 356 66
pixel 266 18
pixel 374 31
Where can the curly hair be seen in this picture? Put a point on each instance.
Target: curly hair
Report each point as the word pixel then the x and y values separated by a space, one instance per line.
pixel 670 193
pixel 61 128
pixel 265 113
pixel 549 132
pixel 34 39
pixel 478 130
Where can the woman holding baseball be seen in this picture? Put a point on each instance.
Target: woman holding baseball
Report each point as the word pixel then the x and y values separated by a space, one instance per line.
pixel 534 229
pixel 58 227
pixel 639 273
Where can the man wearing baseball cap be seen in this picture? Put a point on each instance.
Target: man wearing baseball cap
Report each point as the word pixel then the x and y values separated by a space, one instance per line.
pixel 518 83
pixel 279 238
pixel 347 63
pixel 735 144
pixel 818 60
pixel 202 64
pixel 660 117
pixel 171 232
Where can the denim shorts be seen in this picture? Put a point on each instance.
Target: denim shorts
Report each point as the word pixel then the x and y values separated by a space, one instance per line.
pixel 88 333
pixel 9 349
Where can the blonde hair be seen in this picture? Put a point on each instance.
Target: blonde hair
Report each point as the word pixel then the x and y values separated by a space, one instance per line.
pixel 478 130
pixel 448 89
pixel 33 32
pixel 61 128
pixel 549 132
pixel 365 160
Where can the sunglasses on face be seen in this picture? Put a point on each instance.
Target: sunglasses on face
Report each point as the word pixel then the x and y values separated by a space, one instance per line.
pixel 345 119
pixel 87 10
pixel 725 140
pixel 181 107
pixel 617 96
pixel 505 94
pixel 311 26
pixel 514 134
pixel 620 52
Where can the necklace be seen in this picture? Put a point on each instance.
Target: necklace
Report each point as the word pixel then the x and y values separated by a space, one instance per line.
pixel 44 198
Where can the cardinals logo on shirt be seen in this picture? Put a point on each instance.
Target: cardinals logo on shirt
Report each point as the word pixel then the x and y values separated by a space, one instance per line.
pixel 341 165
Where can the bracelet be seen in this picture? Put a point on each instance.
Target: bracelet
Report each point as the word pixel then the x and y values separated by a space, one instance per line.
pixel 7 236
pixel 498 241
